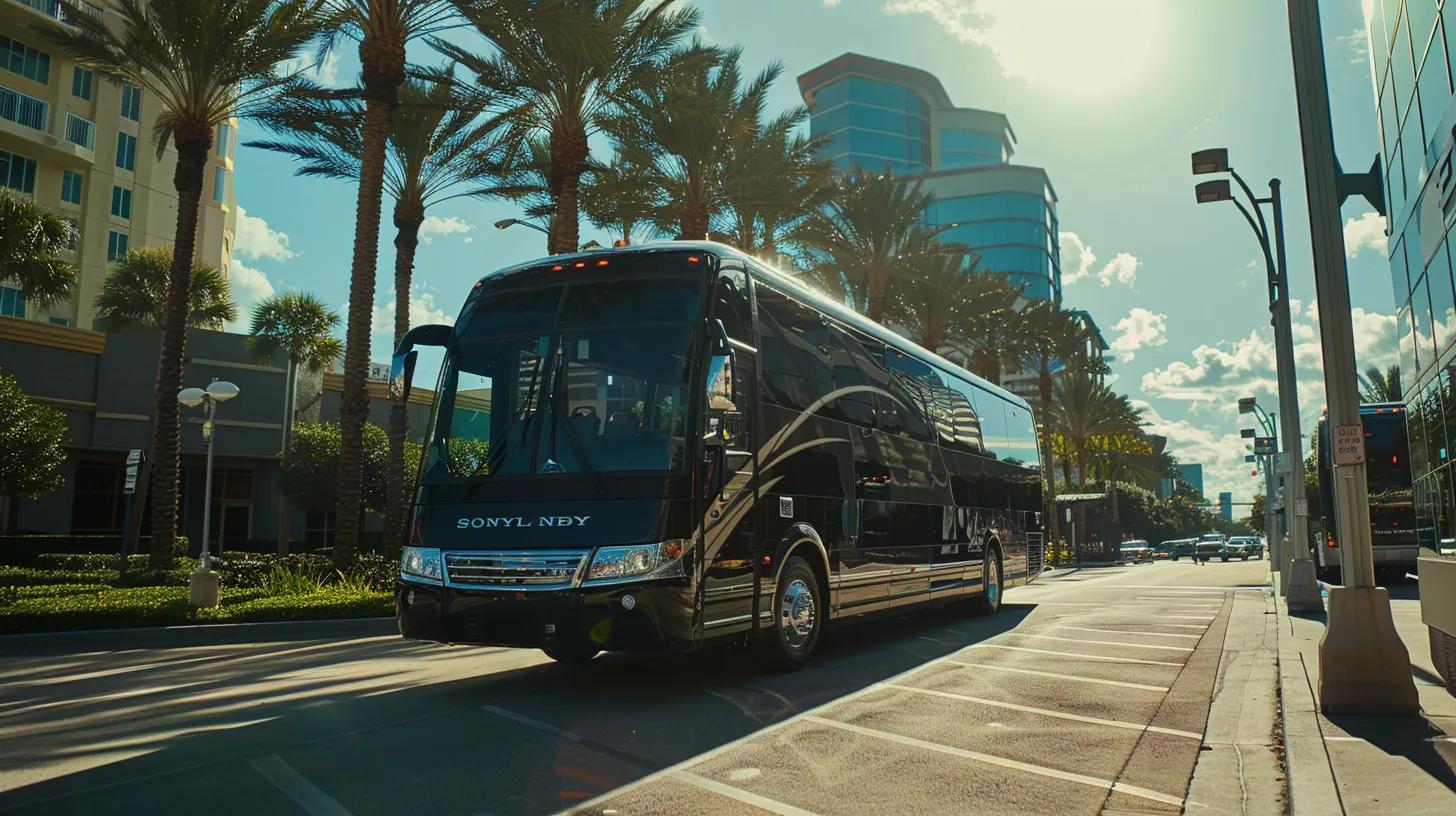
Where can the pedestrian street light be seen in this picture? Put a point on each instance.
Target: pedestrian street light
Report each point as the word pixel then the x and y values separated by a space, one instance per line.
pixel 1247 433
pixel 1212 160
pixel 203 583
pixel 1246 405
pixel 1211 191
pixel 507 223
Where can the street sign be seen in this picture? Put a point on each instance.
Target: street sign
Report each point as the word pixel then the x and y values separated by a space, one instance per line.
pixel 1264 445
pixel 1301 507
pixel 1349 444
pixel 131 479
pixel 134 457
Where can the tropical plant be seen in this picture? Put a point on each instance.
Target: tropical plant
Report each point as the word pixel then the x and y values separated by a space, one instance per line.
pixel 310 468
pixel 948 306
pixel 203 61
pixel 299 327
pixel 31 242
pixel 383 29
pixel 135 291
pixel 432 157
pixel 1091 418
pixel 561 70
pixel 617 198
pixel 869 233
pixel 773 181
pixel 32 439
pixel 1381 386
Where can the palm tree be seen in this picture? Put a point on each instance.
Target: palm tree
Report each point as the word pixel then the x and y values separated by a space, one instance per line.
pixel 1050 334
pixel 300 328
pixel 562 68
pixel 203 61
pixel 1087 414
pixel 617 198
pixel 383 29
pixel 432 154
pixel 135 291
pixel 31 242
pixel 869 233
pixel 1381 386
pixel 950 307
pixel 774 182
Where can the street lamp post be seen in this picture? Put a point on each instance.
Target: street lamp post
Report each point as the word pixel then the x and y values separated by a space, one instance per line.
pixel 1363 665
pixel 202 585
pixel 1249 405
pixel 1296 568
pixel 507 223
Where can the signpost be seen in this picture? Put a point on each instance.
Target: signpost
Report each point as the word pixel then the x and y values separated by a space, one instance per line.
pixel 1349 444
pixel 134 460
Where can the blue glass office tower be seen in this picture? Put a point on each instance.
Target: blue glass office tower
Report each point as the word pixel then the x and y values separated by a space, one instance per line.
pixel 883 115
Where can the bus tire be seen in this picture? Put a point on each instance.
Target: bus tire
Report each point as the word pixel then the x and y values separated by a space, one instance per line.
pixel 798 622
pixel 990 598
pixel 573 651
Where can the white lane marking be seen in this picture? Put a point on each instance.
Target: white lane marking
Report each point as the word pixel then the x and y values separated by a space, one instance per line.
pixel 1118 683
pixel 1343 739
pixel 1187 588
pixel 1061 715
pixel 1107 642
pixel 762 802
pixel 304 793
pixel 1026 767
pixel 535 723
pixel 1182 596
pixel 1197 626
pixel 1122 632
pixel 1050 603
pixel 1079 655
pixel 1187 617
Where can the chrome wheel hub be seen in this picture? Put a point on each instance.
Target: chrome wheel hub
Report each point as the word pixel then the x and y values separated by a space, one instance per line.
pixel 993 582
pixel 797 613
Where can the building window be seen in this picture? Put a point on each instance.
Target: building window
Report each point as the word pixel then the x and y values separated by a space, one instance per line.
pixel 81 79
pixel 116 244
pixel 71 187
pixel 12 302
pixel 19 58
pixel 22 109
pixel 99 503
pixel 219 184
pixel 17 172
pixel 126 151
pixel 59 321
pixel 224 139
pixel 131 102
pixel 121 202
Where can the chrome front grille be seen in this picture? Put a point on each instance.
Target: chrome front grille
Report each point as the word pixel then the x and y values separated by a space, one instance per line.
pixel 522 569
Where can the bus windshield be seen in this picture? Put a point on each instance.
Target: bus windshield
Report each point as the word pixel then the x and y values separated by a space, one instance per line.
pixel 567 380
pixel 1387 473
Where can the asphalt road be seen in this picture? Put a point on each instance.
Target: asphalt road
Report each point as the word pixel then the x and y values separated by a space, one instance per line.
pixel 1087 693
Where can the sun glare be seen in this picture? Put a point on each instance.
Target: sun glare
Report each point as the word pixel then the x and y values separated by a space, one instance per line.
pixel 1087 50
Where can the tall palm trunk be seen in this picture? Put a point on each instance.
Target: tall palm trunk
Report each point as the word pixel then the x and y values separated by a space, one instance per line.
pixel 569 151
pixel 290 397
pixel 407 238
pixel 1044 386
pixel 383 72
pixel 875 289
pixel 193 144
pixel 693 225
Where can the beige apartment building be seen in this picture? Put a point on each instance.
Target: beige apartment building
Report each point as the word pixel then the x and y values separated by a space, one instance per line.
pixel 82 146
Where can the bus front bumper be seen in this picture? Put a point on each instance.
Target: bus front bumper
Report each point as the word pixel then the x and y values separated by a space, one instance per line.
pixel 656 616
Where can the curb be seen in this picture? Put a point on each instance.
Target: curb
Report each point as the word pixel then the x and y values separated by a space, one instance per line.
pixel 215 634
pixel 1311 784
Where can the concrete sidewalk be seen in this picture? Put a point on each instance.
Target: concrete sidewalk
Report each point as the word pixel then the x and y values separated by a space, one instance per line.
pixel 1361 764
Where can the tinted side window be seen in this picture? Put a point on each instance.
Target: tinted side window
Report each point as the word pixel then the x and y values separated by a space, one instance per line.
pixel 854 368
pixel 910 384
pixel 1021 433
pixel 795 361
pixel 965 421
pixel 995 439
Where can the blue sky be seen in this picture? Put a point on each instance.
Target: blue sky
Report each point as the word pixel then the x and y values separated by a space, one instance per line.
pixel 1110 96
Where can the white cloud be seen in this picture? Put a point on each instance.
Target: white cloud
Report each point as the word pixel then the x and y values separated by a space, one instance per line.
pixel 1140 329
pixel 435 225
pixel 1121 269
pixel 247 286
pixel 831 3
pixel 1077 257
pixel 1359 45
pixel 308 65
pixel 422 310
pixel 1220 452
pixel 1365 232
pixel 1083 51
pixel 254 239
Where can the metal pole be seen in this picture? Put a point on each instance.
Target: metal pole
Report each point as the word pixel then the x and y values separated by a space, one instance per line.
pixel 1296 569
pixel 206 562
pixel 1364 666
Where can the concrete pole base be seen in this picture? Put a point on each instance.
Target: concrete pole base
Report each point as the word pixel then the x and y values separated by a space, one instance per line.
pixel 1364 667
pixel 202 588
pixel 1284 577
pixel 1302 588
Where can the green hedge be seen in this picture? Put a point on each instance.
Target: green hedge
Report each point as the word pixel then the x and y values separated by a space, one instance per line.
pixel 28 576
pixel 73 606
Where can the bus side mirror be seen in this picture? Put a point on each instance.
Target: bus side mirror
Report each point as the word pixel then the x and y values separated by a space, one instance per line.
pixel 720 382
pixel 402 366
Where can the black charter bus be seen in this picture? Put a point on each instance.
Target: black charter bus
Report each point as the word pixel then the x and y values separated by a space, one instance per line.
pixel 1393 539
pixel 664 445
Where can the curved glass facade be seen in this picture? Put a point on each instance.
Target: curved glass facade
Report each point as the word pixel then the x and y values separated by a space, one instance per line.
pixel 872 124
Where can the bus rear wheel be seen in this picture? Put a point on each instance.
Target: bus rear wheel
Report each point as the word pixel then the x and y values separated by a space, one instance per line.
pixel 990 599
pixel 799 609
pixel 572 651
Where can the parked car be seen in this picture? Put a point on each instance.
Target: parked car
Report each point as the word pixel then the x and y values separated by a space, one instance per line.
pixel 1210 545
pixel 1136 550
pixel 1244 548
pixel 1178 548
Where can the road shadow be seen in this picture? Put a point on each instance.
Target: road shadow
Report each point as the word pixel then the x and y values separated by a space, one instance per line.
pixel 474 745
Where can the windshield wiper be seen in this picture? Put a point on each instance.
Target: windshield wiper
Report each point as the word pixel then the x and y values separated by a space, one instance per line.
pixel 497 452
pixel 558 419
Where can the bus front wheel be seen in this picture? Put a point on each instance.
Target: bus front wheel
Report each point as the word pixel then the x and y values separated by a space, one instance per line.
pixel 799 609
pixel 572 650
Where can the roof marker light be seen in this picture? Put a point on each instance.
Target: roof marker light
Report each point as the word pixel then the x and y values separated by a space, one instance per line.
pixel 602 262
pixel 621 242
pixel 693 259
pixel 557 268
pixel 579 265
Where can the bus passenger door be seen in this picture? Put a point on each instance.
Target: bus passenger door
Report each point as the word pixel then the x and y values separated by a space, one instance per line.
pixel 727 483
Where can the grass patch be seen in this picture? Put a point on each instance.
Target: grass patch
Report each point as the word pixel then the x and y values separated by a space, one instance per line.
pixel 61 607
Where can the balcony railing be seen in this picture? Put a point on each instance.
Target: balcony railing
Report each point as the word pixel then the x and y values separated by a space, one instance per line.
pixel 63 11
pixel 81 131
pixel 23 109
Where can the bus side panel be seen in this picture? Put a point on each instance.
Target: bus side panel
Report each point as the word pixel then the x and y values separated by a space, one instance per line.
pixel 969 477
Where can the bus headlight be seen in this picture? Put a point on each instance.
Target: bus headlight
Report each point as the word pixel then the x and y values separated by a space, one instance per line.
pixel 662 560
pixel 421 563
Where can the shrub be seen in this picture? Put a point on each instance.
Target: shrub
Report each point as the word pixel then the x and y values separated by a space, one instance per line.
pixel 329 603
pixel 293 579
pixel 89 561
pixel 27 576
pixel 75 606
